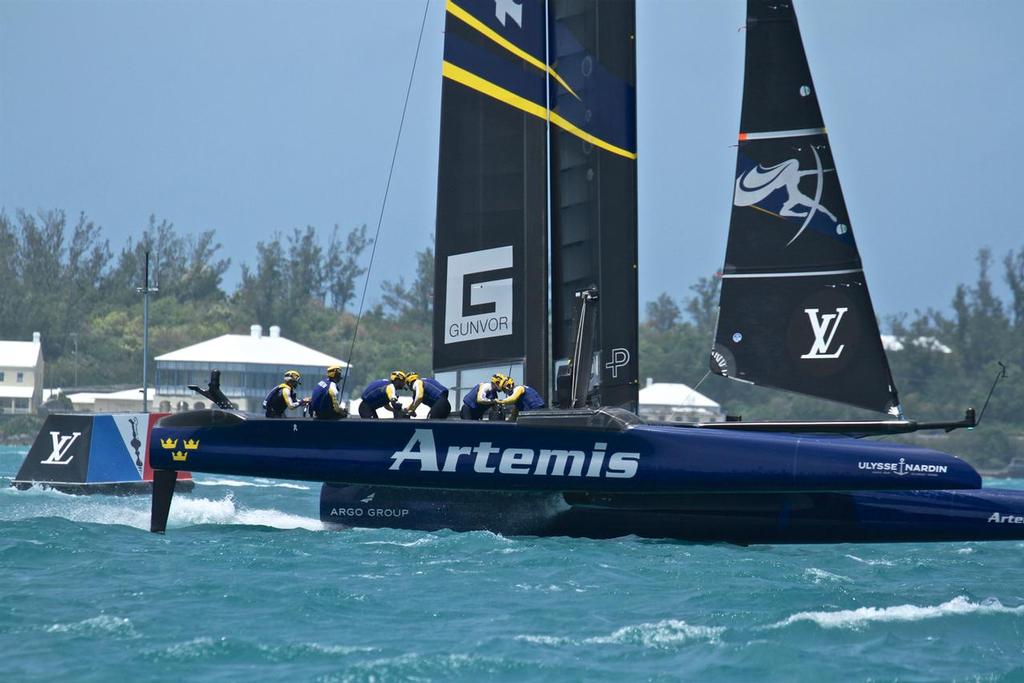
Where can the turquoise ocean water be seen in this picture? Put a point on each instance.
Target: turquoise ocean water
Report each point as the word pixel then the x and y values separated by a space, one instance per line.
pixel 247 585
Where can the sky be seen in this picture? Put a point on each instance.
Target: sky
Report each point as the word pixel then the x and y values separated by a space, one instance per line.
pixel 256 117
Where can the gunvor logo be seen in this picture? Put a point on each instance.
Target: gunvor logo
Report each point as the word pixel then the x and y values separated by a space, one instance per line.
pixel 477 306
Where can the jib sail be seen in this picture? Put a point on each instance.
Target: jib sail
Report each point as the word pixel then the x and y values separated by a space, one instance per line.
pixel 593 184
pixel 795 311
pixel 491 241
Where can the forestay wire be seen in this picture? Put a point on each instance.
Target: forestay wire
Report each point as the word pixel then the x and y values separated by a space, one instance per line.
pixel 384 203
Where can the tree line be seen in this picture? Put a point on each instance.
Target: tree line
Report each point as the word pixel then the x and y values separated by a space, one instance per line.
pixel 62 278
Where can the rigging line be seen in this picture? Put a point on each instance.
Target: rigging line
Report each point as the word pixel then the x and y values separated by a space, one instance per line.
pixel 999 376
pixel 384 203
pixel 706 375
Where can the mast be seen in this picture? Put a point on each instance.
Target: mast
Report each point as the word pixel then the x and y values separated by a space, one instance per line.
pixel 795 311
pixel 594 186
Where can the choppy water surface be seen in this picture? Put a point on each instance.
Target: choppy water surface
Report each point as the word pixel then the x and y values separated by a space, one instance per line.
pixel 247 585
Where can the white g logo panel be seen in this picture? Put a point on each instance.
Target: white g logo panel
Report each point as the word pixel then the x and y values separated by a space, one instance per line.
pixel 494 296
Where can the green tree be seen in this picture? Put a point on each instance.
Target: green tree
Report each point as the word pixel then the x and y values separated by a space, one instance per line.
pixel 415 302
pixel 342 267
pixel 662 313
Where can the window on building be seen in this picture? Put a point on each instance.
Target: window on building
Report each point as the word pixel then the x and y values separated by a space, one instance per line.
pixel 21 377
pixel 1 375
pixel 21 404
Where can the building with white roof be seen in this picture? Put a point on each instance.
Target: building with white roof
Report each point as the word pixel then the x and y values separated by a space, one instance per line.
pixel 250 366
pixel 893 343
pixel 667 402
pixel 124 401
pixel 21 375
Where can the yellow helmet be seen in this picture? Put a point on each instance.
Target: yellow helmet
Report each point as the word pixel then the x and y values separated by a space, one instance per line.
pixel 498 379
pixel 397 376
pixel 508 385
pixel 292 375
pixel 334 371
pixel 411 377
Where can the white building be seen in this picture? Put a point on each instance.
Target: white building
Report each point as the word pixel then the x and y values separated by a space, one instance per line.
pixel 124 401
pixel 666 402
pixel 250 366
pixel 21 375
pixel 893 343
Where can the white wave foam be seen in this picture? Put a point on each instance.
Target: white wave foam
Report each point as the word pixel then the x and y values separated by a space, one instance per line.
pixel 135 512
pixel 104 623
pixel 857 618
pixel 965 551
pixel 422 540
pixel 186 511
pixel 191 649
pixel 545 640
pixel 300 649
pixel 258 483
pixel 661 634
pixel 550 588
pixel 872 563
pixel 820 575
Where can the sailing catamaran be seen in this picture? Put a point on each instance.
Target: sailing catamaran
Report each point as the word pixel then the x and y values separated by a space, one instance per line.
pixel 519 109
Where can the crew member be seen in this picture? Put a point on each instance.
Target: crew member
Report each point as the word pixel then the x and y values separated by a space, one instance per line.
pixel 325 403
pixel 430 392
pixel 481 398
pixel 521 398
pixel 284 397
pixel 381 393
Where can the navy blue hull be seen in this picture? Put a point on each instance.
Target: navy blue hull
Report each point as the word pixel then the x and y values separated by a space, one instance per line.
pixel 860 517
pixel 592 474
pixel 498 456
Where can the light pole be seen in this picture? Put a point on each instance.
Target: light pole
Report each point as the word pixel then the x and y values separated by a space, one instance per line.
pixel 145 290
pixel 74 338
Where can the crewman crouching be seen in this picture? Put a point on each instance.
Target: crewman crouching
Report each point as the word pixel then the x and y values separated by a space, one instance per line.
pixel 521 398
pixel 480 399
pixel 325 404
pixel 430 392
pixel 284 397
pixel 381 393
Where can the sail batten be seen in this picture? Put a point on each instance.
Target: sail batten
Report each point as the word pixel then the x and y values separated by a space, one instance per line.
pixel 792 273
pixel 773 134
pixel 795 312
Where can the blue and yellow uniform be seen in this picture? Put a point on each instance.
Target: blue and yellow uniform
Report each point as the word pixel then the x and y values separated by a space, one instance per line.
pixel 283 397
pixel 380 393
pixel 325 404
pixel 430 392
pixel 479 401
pixel 521 398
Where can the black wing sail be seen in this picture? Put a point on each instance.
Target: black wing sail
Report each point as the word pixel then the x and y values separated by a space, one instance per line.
pixel 491 241
pixel 795 311
pixel 593 184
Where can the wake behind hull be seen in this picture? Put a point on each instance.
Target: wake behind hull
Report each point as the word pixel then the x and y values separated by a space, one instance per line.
pixel 849 517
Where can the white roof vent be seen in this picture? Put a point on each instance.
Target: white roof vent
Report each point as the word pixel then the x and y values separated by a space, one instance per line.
pixel 275 331
pixel 256 331
pixel 36 338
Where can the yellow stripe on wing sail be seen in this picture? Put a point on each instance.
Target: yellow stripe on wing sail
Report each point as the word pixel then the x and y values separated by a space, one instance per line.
pixel 490 33
pixel 584 135
pixel 470 80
